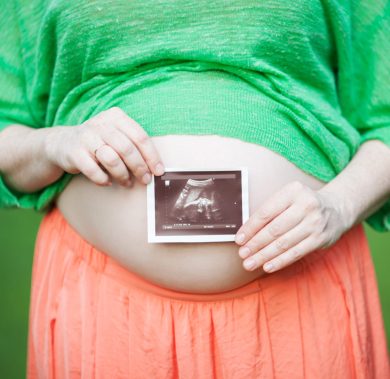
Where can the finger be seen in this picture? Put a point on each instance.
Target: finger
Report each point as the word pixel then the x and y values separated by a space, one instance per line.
pixel 273 231
pixel 278 247
pixel 143 142
pixel 271 208
pixel 90 168
pixel 111 161
pixel 292 255
pixel 128 153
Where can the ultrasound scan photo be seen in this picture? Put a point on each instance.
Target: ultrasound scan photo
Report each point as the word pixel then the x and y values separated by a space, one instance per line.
pixel 197 206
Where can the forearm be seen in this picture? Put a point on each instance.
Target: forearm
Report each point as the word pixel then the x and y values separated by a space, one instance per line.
pixel 364 184
pixel 23 161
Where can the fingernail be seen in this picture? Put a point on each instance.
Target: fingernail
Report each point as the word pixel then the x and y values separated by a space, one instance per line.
pixel 146 178
pixel 244 252
pixel 159 169
pixel 128 183
pixel 250 263
pixel 269 267
pixel 240 238
pixel 109 183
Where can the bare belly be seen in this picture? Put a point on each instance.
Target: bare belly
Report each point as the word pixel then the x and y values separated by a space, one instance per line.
pixel 114 219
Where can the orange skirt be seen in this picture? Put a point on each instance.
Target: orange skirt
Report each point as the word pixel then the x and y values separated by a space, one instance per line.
pixel 91 318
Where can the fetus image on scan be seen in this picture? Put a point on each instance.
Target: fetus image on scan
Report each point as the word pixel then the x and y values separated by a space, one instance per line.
pixel 198 201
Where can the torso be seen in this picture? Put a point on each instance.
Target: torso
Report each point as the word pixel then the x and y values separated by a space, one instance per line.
pixel 113 219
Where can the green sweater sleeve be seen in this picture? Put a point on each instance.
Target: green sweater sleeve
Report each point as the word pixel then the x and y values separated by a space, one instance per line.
pixel 15 108
pixel 364 73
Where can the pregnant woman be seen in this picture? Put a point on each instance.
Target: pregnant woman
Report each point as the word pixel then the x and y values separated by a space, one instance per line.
pixel 97 96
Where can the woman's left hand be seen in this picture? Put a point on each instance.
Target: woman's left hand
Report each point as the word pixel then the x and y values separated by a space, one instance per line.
pixel 293 222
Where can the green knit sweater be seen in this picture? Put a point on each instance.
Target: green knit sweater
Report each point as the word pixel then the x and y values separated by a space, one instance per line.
pixel 308 79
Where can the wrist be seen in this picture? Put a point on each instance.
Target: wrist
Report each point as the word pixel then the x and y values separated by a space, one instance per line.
pixel 343 203
pixel 48 146
pixel 51 142
pixel 25 165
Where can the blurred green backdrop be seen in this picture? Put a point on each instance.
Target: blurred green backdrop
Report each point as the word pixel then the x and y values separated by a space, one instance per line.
pixel 18 229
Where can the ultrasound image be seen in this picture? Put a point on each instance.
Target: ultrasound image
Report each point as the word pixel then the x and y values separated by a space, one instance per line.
pixel 198 203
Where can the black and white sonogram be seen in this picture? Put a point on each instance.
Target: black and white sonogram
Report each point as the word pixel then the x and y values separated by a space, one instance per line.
pixel 197 205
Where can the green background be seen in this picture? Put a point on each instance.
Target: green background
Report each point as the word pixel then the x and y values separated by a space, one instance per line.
pixel 18 229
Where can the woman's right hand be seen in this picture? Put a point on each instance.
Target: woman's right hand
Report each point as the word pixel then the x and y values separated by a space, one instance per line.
pixel 123 149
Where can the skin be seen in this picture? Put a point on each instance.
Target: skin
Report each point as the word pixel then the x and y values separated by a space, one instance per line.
pixel 293 222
